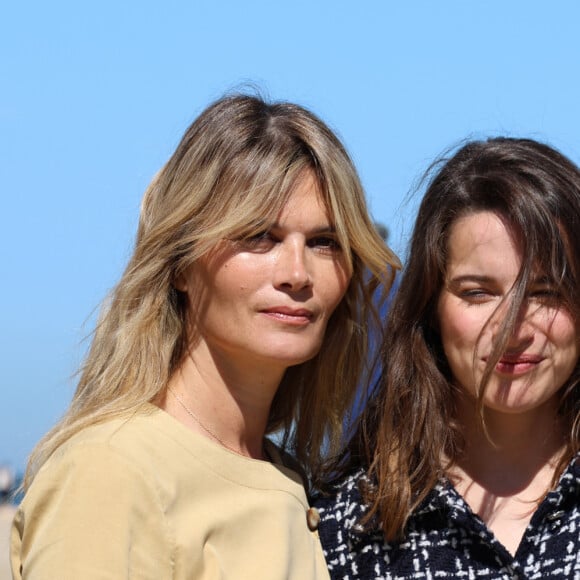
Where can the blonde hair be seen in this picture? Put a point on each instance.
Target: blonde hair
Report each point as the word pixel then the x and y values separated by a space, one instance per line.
pixel 234 168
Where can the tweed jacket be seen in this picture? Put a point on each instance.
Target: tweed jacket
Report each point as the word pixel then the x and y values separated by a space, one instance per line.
pixel 445 539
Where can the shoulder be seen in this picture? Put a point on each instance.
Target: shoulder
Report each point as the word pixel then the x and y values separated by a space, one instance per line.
pixel 561 510
pixel 94 460
pixel 86 503
pixel 341 532
pixel 344 501
pixel 563 502
pixel 144 439
pixel 104 458
pixel 119 435
pixel 341 510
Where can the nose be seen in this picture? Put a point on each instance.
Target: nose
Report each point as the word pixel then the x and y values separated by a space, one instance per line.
pixel 521 336
pixel 523 331
pixel 292 268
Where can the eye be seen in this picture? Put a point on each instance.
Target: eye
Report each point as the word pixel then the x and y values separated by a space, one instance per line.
pixel 546 294
pixel 260 242
pixel 476 295
pixel 324 243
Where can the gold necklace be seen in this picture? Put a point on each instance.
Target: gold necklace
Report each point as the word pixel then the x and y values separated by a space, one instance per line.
pixel 206 429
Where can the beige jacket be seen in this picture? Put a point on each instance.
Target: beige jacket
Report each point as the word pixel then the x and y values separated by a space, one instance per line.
pixel 145 498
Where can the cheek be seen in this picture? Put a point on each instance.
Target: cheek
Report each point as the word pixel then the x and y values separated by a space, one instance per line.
pixel 334 288
pixel 563 334
pixel 236 275
pixel 459 327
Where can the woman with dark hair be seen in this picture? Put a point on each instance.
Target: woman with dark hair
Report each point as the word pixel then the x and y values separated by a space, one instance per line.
pixel 239 315
pixel 465 463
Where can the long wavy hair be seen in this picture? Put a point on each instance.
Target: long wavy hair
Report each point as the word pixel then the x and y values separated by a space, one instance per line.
pixel 233 170
pixel 408 436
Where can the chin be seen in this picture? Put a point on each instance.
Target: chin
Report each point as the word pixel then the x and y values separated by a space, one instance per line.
pixel 291 359
pixel 520 406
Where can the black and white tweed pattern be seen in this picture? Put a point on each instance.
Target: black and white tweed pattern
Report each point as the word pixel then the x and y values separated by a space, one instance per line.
pixel 445 539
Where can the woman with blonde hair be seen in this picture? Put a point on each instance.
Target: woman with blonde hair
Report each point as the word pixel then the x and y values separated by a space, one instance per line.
pixel 465 464
pixel 239 314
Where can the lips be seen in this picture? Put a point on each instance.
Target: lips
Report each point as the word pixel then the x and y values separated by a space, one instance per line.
pixel 518 363
pixel 293 316
pixel 521 358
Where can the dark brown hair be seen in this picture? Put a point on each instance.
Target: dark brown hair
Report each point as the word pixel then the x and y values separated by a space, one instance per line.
pixel 408 428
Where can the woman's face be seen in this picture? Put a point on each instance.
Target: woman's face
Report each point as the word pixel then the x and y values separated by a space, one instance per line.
pixel 267 300
pixel 482 265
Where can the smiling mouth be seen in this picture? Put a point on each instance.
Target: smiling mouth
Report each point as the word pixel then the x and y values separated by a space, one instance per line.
pixel 298 317
pixel 517 365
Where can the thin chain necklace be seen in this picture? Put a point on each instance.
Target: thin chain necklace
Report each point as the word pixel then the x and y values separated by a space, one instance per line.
pixel 198 421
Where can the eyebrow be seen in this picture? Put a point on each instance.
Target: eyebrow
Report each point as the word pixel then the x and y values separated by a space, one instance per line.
pixel 539 280
pixel 319 229
pixel 543 280
pixel 472 278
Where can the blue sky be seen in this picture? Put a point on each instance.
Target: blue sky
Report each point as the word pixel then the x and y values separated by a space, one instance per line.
pixel 95 97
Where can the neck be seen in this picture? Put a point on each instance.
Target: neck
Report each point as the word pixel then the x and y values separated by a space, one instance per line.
pixel 516 450
pixel 505 473
pixel 222 401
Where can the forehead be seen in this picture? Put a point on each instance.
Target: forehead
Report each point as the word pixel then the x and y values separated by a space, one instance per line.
pixel 304 203
pixel 482 241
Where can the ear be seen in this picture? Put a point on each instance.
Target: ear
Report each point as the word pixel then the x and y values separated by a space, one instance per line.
pixel 180 282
